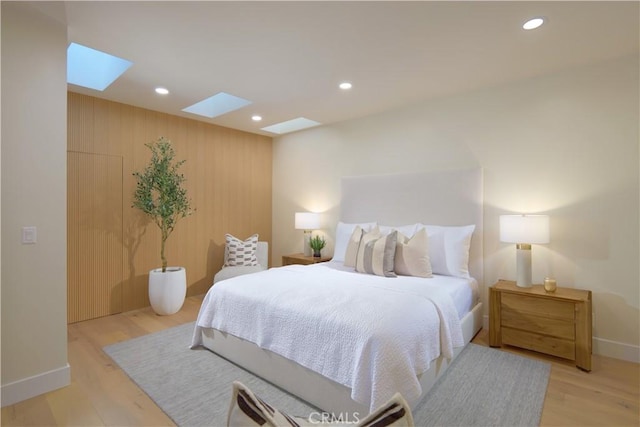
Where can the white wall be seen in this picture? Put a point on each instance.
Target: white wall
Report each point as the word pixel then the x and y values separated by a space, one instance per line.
pixel 34 141
pixel 564 144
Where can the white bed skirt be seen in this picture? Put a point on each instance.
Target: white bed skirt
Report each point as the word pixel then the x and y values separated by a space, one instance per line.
pixel 310 386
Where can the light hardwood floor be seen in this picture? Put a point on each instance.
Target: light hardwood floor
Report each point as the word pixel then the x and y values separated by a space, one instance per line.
pixel 101 394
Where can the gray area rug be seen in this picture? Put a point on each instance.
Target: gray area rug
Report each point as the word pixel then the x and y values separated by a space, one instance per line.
pixel 483 387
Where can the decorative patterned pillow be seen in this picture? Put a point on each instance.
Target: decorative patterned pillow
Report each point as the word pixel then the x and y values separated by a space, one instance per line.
pixel 247 410
pixel 376 254
pixel 412 255
pixel 240 253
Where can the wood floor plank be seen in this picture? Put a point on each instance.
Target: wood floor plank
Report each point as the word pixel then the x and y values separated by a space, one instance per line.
pixel 609 395
pixel 101 393
pixel 71 407
pixel 31 412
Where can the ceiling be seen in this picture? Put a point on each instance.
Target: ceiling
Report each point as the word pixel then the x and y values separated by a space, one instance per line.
pixel 288 57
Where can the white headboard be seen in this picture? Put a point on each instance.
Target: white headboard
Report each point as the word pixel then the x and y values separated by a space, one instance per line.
pixel 437 198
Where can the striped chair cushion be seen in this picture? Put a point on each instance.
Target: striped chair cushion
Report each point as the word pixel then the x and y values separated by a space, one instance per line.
pixel 247 410
pixel 240 252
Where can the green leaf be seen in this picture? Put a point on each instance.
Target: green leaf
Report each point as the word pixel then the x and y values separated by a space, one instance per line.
pixel 317 243
pixel 159 190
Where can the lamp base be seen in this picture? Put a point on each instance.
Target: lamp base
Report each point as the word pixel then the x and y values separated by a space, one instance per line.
pixel 523 266
pixel 307 240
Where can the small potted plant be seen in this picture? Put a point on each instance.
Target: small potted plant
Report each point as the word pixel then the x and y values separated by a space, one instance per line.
pixel 317 243
pixel 160 194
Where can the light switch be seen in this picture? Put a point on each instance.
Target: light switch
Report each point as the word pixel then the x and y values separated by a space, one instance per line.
pixel 29 235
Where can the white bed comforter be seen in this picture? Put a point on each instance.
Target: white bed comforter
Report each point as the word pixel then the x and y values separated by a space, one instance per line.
pixel 369 333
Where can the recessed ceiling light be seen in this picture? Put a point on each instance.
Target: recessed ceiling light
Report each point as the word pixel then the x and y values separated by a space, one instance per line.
pixel 534 23
pixel 345 85
pixel 162 90
pixel 256 118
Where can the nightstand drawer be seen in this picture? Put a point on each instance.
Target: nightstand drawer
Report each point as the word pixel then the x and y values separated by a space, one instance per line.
pixel 537 342
pixel 551 308
pixel 561 328
pixel 302 259
pixel 556 323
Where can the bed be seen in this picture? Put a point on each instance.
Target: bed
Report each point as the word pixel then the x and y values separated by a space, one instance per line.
pixel 317 353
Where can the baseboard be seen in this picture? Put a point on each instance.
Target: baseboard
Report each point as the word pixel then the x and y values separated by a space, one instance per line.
pixel 603 347
pixel 616 350
pixel 36 385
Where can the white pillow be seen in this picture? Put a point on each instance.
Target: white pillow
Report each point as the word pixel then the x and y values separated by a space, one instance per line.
pixel 376 254
pixel 248 410
pixel 449 249
pixel 408 230
pixel 412 255
pixel 238 252
pixel 343 233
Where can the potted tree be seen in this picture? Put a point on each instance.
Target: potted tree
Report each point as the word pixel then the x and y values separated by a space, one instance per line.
pixel 160 194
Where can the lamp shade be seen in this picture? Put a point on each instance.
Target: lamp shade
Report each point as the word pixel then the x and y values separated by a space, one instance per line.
pixel 307 221
pixel 524 228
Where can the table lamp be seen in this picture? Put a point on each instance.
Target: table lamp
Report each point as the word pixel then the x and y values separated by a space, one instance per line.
pixel 524 230
pixel 307 221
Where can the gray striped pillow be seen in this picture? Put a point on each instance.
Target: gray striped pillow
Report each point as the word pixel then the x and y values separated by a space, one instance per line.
pixel 376 254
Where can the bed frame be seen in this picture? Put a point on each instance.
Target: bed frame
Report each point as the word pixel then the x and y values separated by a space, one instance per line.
pixel 439 198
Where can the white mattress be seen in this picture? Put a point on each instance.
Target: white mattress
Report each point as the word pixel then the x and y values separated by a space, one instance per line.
pixel 463 291
pixel 328 318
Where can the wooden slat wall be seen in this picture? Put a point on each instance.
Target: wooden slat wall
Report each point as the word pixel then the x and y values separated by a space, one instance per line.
pixel 228 179
pixel 94 235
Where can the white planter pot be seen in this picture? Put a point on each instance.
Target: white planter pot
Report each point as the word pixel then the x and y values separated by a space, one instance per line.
pixel 167 290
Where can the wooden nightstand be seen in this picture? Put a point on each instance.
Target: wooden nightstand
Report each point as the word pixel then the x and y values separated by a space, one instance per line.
pixel 556 323
pixel 302 259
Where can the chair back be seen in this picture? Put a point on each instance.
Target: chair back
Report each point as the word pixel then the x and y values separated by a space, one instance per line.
pixel 262 253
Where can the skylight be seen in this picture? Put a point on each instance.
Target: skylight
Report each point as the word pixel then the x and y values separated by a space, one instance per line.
pixel 217 105
pixel 291 125
pixel 92 68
